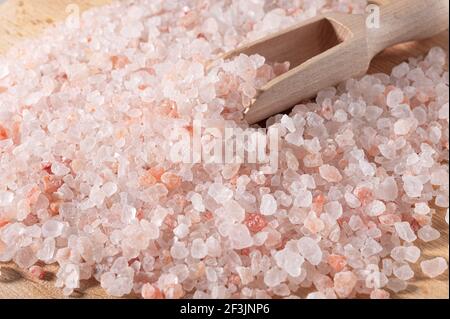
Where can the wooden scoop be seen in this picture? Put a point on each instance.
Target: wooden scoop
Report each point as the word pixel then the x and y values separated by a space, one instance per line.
pixel 331 48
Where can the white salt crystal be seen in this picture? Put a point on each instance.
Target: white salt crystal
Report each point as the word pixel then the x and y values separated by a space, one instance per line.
pixel 52 228
pixel 400 70
pixel 434 267
pixel 6 198
pixel 234 211
pixel 60 169
pixel 394 98
pixel 443 112
pixel 220 193
pixel 240 237
pixel 109 189
pixel 428 233
pixel 4 70
pixel 274 276
pixel 422 209
pixel 268 205
pixel 387 190
pixel 310 250
pixel 375 208
pixel 303 199
pixel 412 254
pixel 351 200
pixel 197 202
pixel 198 249
pixel 412 185
pixel 405 231
pixel 334 209
pixel 403 126
pixel 179 251
pixel 403 272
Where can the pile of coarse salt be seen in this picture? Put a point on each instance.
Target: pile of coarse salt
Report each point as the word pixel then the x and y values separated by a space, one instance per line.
pixel 88 116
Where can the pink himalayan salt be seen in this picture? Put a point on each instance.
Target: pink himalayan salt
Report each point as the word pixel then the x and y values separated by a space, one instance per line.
pixel 37 272
pixel 434 267
pixel 330 173
pixel 344 283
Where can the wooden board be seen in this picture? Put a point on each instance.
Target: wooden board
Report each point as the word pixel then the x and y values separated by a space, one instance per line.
pixel 20 19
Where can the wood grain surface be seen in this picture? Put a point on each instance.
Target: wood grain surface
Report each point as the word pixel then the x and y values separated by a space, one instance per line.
pixel 21 19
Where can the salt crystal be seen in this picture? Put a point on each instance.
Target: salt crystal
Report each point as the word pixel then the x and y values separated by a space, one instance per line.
pixel 422 209
pixel 52 228
pixel 240 237
pixel 268 205
pixel 412 185
pixel 375 208
pixel 198 249
pixel 303 199
pixel 434 267
pixel 109 189
pixel 344 283
pixel 330 173
pixel 310 250
pixel 403 272
pixel 274 276
pixel 405 231
pixel 394 97
pixel 428 233
pixel 6 198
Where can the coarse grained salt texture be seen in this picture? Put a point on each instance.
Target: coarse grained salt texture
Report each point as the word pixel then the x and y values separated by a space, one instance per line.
pixel 89 117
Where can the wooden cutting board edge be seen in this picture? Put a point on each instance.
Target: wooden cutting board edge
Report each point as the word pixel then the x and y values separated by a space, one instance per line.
pixel 22 19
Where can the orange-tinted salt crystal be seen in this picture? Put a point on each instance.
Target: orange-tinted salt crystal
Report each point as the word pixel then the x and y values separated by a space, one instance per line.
pixel 3 222
pixel 51 184
pixel 3 89
pixel 119 61
pixel 337 262
pixel 151 292
pixel 171 180
pixel 3 133
pixel 318 203
pixel 364 195
pixel 147 179
pixel 156 172
pixel 255 222
pixel 54 208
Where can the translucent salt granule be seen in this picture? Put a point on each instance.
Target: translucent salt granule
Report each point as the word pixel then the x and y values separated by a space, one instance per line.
pixel 434 267
pixel 268 205
pixel 330 173
pixel 198 249
pixel 344 283
pixel 394 97
pixel 405 231
pixel 428 233
pixel 310 250
pixel 52 229
pixel 403 272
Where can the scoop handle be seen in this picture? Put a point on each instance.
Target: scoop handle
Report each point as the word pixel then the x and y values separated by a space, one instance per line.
pixel 405 20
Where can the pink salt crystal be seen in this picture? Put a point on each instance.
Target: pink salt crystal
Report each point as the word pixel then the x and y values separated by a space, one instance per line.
pixel 434 267
pixel 344 283
pixel 405 231
pixel 379 294
pixel 37 272
pixel 375 208
pixel 387 190
pixel 274 276
pixel 151 292
pixel 240 237
pixel 330 173
pixel 428 233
